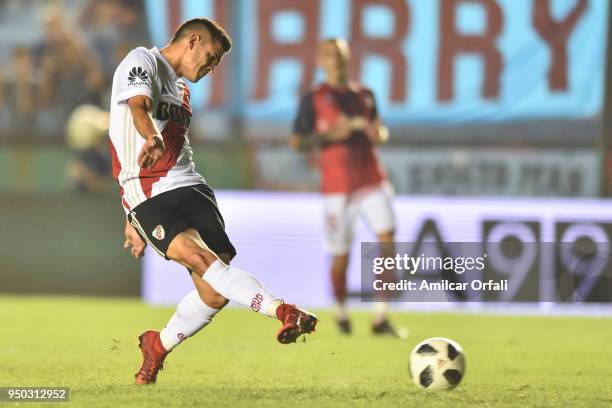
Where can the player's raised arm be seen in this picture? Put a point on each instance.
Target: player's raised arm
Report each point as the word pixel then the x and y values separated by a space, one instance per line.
pixel 153 149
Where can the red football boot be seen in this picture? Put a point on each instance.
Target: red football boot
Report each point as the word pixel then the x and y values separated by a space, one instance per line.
pixel 295 323
pixel 153 355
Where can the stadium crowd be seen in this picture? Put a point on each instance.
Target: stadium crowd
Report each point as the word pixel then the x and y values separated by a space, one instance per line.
pixel 65 60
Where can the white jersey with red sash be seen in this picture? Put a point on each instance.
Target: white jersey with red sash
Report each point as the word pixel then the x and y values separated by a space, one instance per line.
pixel 146 72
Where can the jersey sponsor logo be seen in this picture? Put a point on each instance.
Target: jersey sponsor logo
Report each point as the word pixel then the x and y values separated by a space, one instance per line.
pixel 181 336
pixel 174 113
pixel 138 77
pixel 256 302
pixel 159 233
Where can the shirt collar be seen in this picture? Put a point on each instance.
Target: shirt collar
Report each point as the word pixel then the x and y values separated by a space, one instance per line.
pixel 171 70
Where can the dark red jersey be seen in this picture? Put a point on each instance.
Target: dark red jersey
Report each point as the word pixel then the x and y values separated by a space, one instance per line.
pixel 351 164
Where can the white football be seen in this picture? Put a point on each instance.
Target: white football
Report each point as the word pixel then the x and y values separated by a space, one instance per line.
pixel 437 364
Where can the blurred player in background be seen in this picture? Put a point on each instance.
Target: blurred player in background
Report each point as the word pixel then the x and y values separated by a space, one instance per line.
pixel 168 204
pixel 340 118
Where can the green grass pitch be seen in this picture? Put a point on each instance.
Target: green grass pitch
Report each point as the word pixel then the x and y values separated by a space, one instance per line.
pixel 89 345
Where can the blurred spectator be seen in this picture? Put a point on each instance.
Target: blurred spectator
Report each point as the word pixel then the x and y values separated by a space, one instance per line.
pixel 90 168
pixel 16 24
pixel 71 75
pixel 64 59
pixel 4 114
pixel 112 24
pixel 19 91
pixel 112 28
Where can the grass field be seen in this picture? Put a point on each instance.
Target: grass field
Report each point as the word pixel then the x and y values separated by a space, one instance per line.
pixel 89 345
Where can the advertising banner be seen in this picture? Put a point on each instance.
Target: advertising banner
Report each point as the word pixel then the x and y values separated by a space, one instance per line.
pixel 551 172
pixel 442 61
pixel 547 250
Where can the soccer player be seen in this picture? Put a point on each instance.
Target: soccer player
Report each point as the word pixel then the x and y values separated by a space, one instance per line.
pixel 340 118
pixel 168 204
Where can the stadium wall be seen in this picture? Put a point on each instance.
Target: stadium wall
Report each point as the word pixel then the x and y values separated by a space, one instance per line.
pixel 64 244
pixel 40 168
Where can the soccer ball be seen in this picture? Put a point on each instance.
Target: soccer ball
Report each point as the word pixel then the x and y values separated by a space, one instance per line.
pixel 437 364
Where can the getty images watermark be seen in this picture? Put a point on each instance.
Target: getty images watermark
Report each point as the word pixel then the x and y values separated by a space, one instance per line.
pixel 505 271
pixel 410 265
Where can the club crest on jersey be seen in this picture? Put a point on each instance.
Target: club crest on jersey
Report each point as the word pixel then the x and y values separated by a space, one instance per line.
pixel 138 76
pixel 159 233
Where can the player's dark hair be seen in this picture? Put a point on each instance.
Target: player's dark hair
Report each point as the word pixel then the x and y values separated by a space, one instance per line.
pixel 213 28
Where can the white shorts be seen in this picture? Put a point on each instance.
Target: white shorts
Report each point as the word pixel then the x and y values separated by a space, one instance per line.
pixel 373 205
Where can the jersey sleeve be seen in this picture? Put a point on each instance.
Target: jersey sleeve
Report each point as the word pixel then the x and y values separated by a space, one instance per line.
pixel 134 75
pixel 304 123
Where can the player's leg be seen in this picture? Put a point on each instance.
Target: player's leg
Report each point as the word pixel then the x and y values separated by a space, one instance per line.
pixel 198 308
pixel 381 306
pixel 158 221
pixel 338 278
pixel 199 245
pixel 165 222
pixel 193 313
pixel 377 210
pixel 339 266
pixel 339 219
pixel 189 249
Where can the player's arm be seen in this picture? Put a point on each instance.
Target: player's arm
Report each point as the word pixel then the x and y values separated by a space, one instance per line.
pixel 137 94
pixel 304 136
pixel 376 131
pixel 371 125
pixel 340 131
pixel 152 151
pixel 135 87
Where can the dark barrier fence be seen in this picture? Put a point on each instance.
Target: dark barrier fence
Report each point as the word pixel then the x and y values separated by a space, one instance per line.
pixel 65 243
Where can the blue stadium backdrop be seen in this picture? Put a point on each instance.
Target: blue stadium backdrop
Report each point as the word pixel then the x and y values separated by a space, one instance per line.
pixel 441 61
